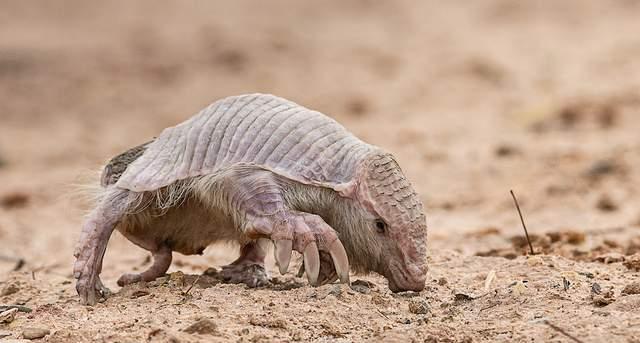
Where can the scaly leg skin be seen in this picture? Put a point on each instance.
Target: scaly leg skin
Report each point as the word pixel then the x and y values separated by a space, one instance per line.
pixel 259 196
pixel 93 243
pixel 161 263
pixel 248 268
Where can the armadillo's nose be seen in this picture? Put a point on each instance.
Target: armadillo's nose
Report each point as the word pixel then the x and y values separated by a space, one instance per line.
pixel 412 278
pixel 416 278
pixel 417 272
pixel 415 275
pixel 406 285
pixel 416 287
pixel 416 269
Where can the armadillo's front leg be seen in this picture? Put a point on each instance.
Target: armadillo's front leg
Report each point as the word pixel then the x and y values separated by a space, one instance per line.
pixel 259 197
pixel 310 235
pixel 93 243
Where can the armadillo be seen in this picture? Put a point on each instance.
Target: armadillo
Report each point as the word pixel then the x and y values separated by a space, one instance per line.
pixel 259 170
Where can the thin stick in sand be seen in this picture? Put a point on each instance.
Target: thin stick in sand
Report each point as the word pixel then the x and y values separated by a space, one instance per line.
pixel 522 221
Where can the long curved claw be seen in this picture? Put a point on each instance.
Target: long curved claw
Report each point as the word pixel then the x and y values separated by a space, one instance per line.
pixel 282 252
pixel 312 262
pixel 340 260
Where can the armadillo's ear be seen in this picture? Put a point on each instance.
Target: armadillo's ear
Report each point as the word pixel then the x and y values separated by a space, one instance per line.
pixel 347 189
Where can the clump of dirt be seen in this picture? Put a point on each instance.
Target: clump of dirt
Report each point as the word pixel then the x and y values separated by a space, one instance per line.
pixel 567 243
pixel 203 326
pixel 606 204
pixel 14 200
pixel 554 242
pixel 632 288
pixel 583 113
pixel 632 262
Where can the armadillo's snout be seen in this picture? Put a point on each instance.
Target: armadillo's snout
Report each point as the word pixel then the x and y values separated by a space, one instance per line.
pixel 417 277
pixel 410 278
pixel 399 285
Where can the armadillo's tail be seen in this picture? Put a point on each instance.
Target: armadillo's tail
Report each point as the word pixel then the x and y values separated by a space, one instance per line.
pixel 118 165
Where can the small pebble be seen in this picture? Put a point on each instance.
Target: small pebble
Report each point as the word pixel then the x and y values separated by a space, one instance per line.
pixel 601 300
pixel 596 289
pixel 533 261
pixel 8 316
pixel 9 289
pixel 566 283
pixel 418 306
pixel 606 204
pixel 608 258
pixel 633 262
pixel 362 286
pixel 14 200
pixel 177 278
pixel 603 168
pixel 34 333
pixel 463 297
pixel 139 293
pixel 632 288
pixel 520 288
pixel 203 327
pixel 505 150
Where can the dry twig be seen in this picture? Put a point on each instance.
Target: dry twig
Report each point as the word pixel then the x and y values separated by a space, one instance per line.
pixel 190 287
pixel 382 314
pixel 522 220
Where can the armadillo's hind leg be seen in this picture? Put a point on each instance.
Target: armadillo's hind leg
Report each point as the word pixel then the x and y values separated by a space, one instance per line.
pixel 249 267
pixel 92 245
pixel 161 262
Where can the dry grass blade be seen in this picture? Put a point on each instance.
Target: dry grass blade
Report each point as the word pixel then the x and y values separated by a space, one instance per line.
pixel 515 200
pixel 192 284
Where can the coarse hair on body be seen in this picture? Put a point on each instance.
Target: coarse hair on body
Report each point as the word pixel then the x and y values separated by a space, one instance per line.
pixel 197 201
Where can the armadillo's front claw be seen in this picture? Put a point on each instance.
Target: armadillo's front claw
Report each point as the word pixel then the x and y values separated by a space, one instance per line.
pixel 340 260
pixel 282 251
pixel 325 259
pixel 312 263
pixel 327 269
pixel 91 291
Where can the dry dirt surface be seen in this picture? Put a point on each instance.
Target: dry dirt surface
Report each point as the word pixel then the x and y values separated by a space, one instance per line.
pixel 474 98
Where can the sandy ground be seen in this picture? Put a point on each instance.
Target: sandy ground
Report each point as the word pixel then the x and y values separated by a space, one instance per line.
pixel 542 97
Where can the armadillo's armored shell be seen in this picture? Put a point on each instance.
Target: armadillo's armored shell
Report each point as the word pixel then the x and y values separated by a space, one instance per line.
pixel 258 129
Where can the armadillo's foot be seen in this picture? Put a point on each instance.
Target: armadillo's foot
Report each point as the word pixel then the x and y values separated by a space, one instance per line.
pixel 92 291
pixel 319 244
pixel 88 266
pixel 252 275
pixel 248 268
pixel 87 270
pixel 93 243
pixel 161 262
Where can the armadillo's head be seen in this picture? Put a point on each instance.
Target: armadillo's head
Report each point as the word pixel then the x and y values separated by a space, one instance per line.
pixel 395 226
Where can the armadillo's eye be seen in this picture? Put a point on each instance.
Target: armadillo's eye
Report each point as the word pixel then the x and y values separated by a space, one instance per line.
pixel 381 226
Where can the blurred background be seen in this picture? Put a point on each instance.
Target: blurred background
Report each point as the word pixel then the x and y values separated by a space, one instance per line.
pixel 474 98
